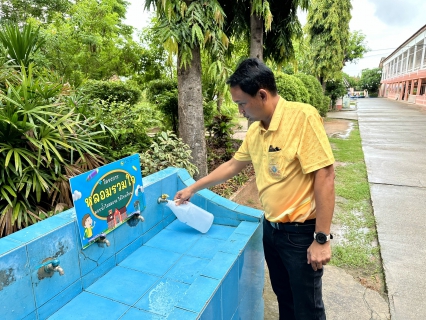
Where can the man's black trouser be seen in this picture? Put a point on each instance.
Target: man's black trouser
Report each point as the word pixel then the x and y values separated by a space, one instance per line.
pixel 297 286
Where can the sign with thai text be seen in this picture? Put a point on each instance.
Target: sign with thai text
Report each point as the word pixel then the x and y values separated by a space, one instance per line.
pixel 107 197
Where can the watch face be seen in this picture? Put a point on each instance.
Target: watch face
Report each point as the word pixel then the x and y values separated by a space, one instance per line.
pixel 321 238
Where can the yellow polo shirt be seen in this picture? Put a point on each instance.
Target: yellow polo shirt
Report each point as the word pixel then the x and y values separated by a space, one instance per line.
pixel 285 178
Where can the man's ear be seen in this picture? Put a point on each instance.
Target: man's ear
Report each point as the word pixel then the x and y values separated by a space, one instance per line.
pixel 263 94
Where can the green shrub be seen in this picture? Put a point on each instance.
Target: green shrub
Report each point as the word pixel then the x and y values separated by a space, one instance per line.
pixel 127 126
pixel 167 151
pixel 117 91
pixel 326 104
pixel 315 91
pixel 43 142
pixel 291 88
pixel 164 94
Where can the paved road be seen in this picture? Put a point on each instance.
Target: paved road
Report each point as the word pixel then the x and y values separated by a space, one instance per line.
pixel 394 143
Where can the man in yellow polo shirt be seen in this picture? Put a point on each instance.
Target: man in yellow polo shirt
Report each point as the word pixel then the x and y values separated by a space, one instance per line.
pixel 293 163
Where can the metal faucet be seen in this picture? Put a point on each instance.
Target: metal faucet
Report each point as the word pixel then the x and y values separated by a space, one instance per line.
pixel 102 240
pixel 54 266
pixel 163 198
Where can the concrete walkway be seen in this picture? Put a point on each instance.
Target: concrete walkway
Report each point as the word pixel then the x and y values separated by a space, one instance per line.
pixel 394 143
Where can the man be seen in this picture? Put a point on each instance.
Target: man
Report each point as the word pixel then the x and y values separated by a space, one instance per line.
pixel 293 163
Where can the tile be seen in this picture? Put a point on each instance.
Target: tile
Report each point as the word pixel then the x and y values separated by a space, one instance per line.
pixel 69 214
pixel 136 314
pixel 226 221
pixel 183 174
pixel 181 314
pixel 169 217
pixel 207 194
pixel 98 272
pixel 149 234
pixel 16 291
pixel 199 201
pixel 125 234
pixel 247 228
pixel 127 251
pixel 235 243
pixel 205 248
pixel 162 297
pixel 220 265
pixel 199 294
pixel 187 269
pixel 176 225
pixel 59 300
pixel 94 255
pixel 175 241
pixel 213 309
pixel 220 210
pixel 249 212
pixel 153 213
pixel 236 315
pixel 230 293
pixel 59 244
pixel 7 245
pixel 218 231
pixel 169 186
pixel 223 202
pixel 244 217
pixel 39 229
pixel 151 260
pixel 251 308
pixel 123 285
pixel 31 316
pixel 92 307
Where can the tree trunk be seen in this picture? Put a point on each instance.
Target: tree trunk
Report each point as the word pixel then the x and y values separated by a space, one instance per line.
pixel 256 37
pixel 190 109
pixel 256 41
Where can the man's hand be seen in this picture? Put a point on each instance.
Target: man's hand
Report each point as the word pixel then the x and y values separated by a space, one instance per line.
pixel 319 254
pixel 183 195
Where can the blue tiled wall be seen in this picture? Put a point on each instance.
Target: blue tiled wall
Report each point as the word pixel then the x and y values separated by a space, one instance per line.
pixel 228 287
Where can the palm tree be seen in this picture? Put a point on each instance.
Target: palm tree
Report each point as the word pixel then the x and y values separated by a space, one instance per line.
pixel 185 28
pixel 20 44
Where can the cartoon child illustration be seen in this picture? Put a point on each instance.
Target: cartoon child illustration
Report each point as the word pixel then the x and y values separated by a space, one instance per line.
pixel 88 224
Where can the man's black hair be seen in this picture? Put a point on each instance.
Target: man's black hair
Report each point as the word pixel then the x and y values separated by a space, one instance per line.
pixel 252 75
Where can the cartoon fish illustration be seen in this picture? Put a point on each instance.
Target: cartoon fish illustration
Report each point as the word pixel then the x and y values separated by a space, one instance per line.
pixel 92 174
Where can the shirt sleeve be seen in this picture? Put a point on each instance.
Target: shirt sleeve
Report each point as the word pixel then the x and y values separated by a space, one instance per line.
pixel 242 153
pixel 314 151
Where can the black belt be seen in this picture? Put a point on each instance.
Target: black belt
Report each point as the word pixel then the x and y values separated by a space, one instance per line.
pixel 297 227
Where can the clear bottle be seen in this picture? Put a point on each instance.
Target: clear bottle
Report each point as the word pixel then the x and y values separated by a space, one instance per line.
pixel 192 215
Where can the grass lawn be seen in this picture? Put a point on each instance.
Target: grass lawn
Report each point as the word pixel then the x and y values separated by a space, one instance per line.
pixel 355 247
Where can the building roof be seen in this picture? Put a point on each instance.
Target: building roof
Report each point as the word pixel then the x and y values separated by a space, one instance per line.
pixel 403 44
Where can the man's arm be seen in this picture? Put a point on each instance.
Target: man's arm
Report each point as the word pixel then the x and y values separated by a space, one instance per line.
pixel 320 254
pixel 222 173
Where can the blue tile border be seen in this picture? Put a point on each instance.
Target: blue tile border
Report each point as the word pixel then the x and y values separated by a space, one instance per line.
pixel 233 225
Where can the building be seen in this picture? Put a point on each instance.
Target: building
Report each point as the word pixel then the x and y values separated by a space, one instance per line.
pixel 404 71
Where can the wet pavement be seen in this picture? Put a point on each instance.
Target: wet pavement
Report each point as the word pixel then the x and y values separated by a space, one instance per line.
pixel 394 143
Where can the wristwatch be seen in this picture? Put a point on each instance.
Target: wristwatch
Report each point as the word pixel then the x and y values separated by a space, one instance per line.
pixel 322 238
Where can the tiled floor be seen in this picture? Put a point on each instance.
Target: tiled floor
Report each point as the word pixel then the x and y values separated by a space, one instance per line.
pixel 150 282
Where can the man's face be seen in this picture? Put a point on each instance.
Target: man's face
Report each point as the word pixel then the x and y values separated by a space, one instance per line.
pixel 250 107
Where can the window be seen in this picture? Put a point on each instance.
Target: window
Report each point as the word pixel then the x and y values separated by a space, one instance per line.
pixel 419 51
pixel 423 87
pixel 410 58
pixel 404 62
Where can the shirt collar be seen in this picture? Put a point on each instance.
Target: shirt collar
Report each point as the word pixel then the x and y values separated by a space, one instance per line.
pixel 276 117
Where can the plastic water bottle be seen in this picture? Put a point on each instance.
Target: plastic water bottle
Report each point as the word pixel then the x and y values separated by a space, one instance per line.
pixel 192 215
